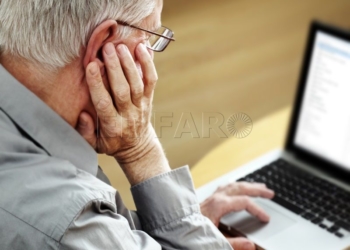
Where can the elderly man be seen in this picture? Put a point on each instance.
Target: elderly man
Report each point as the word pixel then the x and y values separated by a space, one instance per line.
pixel 64 65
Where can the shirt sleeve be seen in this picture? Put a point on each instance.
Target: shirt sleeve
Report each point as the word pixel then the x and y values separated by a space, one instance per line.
pixel 169 214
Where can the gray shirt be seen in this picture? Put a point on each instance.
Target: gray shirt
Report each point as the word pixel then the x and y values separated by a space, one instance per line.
pixel 54 196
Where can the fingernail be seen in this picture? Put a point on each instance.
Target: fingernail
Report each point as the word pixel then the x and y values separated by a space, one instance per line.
pixel 265 218
pixel 122 49
pixel 93 69
pixel 109 49
pixel 142 47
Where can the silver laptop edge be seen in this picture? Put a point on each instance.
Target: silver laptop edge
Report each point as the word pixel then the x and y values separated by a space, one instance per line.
pixel 286 230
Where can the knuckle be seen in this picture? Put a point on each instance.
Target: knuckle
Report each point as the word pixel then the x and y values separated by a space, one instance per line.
pixel 138 91
pixel 244 186
pixel 247 200
pixel 232 185
pixel 113 65
pixel 128 66
pixel 218 190
pixel 143 109
pixel 110 130
pixel 152 79
pixel 103 104
pixel 215 199
pixel 94 81
pixel 122 95
pixel 240 186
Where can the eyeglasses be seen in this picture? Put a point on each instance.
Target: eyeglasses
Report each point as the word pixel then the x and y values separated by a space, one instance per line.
pixel 159 40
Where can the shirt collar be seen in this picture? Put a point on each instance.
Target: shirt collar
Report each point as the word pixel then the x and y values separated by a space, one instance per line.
pixel 44 125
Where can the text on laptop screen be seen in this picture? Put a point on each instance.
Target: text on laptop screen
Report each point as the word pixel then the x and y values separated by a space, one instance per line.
pixel 324 122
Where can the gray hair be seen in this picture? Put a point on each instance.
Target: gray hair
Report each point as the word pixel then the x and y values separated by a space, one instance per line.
pixel 53 32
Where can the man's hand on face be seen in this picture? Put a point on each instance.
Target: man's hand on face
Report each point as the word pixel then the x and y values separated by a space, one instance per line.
pixel 124 113
pixel 233 198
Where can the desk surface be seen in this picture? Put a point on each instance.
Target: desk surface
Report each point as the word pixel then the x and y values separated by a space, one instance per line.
pixel 267 134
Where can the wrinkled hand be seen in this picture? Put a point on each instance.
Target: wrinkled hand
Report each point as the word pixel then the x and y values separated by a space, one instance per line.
pixel 233 198
pixel 124 113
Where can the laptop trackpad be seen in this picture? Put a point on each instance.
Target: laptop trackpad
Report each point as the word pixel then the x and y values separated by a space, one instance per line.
pixel 252 227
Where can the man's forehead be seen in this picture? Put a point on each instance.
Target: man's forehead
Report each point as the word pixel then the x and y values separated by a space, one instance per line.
pixel 156 26
pixel 153 22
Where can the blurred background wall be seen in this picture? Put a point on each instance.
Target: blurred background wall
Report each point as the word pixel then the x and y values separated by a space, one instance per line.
pixel 230 56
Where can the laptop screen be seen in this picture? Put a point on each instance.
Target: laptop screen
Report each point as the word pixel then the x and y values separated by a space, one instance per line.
pixel 323 126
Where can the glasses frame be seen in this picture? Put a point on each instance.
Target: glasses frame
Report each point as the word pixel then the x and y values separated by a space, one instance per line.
pixel 151 32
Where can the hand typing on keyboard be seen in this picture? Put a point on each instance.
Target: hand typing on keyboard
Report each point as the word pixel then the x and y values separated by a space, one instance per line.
pixel 314 199
pixel 233 198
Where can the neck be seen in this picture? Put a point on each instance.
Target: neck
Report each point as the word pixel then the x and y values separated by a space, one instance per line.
pixel 60 90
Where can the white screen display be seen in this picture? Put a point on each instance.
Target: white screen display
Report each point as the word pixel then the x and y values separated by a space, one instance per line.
pixel 324 121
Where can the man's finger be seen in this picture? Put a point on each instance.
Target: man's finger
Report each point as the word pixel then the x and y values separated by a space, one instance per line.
pixel 132 74
pixel 116 78
pixel 100 97
pixel 250 189
pixel 150 76
pixel 241 244
pixel 239 203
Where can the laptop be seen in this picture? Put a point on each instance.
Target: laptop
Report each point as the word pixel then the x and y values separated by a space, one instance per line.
pixel 311 175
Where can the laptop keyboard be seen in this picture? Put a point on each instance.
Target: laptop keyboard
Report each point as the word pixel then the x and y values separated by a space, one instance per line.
pixel 313 198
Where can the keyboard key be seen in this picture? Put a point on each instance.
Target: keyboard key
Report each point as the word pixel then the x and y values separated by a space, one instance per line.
pixel 343 216
pixel 344 232
pixel 339 235
pixel 287 204
pixel 325 214
pixel 308 216
pixel 333 229
pixel 308 206
pixel 317 220
pixel 328 207
pixel 316 210
pixel 343 224
pixel 332 218
pixel 328 223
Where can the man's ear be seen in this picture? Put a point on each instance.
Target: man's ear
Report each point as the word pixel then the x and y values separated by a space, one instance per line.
pixel 104 33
